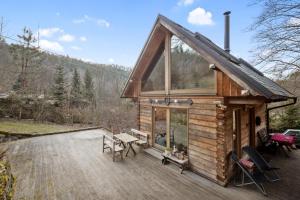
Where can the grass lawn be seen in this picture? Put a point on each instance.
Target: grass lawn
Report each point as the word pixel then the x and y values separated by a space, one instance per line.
pixel 29 127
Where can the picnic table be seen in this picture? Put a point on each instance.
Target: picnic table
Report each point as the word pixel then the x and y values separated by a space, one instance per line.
pixel 125 139
pixel 284 140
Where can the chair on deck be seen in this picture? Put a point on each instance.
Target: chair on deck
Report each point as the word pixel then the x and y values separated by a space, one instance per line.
pixel 266 142
pixel 143 137
pixel 110 143
pixel 261 164
pixel 255 177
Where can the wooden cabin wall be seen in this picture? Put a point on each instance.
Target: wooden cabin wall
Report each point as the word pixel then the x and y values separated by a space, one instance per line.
pixel 202 132
pixel 226 86
pixel 203 139
pixel 260 111
pixel 245 129
pixel 209 132
pixel 228 144
pixel 145 118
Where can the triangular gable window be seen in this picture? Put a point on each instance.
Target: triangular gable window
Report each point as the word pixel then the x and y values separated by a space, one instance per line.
pixel 189 70
pixel 154 78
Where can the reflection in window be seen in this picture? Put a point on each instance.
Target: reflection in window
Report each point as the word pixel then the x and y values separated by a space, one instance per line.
pixel 178 129
pixel 188 69
pixel 160 127
pixel 154 79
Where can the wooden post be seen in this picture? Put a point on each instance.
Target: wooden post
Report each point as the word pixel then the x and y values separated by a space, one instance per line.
pixel 168 63
pixel 103 138
pixel 113 150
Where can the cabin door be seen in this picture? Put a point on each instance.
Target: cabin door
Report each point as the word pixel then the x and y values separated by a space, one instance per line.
pixel 236 129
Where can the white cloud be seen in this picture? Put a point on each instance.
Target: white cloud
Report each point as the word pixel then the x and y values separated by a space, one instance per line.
pixel 49 32
pixel 111 60
pixel 86 18
pixel 185 2
pixel 76 48
pixel 66 38
pixel 200 16
pixel 83 39
pixel 52 46
pixel 293 21
pixel 103 22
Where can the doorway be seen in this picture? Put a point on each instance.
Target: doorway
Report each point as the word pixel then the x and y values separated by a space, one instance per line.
pixel 236 130
pixel 252 127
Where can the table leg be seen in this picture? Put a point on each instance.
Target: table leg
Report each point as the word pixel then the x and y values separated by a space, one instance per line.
pixel 288 148
pixel 283 150
pixel 130 147
pixel 124 146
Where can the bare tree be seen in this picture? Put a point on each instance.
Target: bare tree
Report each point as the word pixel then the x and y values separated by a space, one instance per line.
pixel 278 37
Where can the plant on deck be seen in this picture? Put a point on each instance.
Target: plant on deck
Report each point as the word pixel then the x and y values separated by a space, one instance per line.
pixel 6 179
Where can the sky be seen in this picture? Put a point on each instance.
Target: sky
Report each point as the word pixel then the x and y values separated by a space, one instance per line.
pixel 115 31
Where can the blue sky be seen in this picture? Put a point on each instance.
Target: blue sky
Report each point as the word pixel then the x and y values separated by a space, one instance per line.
pixel 114 31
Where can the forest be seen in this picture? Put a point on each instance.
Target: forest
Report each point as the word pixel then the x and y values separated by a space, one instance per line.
pixel 45 87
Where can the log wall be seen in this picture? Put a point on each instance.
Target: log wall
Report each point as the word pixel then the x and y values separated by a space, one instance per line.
pixel 202 132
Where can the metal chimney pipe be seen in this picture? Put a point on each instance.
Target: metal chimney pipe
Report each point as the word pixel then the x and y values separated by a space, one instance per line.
pixel 227 32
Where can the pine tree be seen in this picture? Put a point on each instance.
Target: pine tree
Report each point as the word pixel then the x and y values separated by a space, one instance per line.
pixel 28 57
pixel 59 92
pixel 76 88
pixel 88 86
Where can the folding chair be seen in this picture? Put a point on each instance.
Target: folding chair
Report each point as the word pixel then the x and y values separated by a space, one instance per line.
pixel 256 178
pixel 261 164
pixel 265 139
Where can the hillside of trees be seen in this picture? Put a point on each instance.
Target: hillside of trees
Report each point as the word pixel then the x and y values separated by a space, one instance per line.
pixel 60 89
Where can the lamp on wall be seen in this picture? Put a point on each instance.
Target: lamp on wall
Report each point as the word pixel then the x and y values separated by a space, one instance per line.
pixel 181 101
pixel 212 66
pixel 157 101
pixel 167 101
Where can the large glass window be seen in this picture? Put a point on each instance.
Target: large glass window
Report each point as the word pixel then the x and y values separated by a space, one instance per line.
pixel 154 78
pixel 170 132
pixel 189 70
pixel 178 129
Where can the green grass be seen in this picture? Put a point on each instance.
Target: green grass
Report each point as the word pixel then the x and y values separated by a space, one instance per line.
pixel 29 127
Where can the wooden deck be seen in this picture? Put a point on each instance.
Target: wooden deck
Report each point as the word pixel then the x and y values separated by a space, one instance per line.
pixel 72 166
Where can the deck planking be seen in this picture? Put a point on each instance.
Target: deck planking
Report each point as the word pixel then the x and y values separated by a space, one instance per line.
pixel 72 166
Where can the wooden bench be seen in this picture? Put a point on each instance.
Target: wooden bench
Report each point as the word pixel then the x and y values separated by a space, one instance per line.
pixel 182 164
pixel 142 137
pixel 110 143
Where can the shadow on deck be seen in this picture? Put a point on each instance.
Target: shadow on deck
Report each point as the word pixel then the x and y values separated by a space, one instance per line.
pixel 72 166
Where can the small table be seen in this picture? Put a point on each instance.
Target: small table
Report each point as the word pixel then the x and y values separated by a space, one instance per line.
pixel 125 138
pixel 183 164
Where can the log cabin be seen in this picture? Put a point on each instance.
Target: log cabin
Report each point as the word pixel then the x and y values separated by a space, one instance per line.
pixel 198 97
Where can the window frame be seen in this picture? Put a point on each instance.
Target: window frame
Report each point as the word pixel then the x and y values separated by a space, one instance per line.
pixel 168 78
pixel 168 123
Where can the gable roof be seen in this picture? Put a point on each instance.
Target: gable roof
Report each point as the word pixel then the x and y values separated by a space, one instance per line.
pixel 237 69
